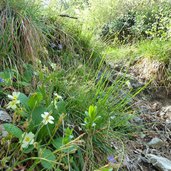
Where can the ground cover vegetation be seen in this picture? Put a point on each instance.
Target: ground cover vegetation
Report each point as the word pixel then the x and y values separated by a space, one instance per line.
pixel 64 113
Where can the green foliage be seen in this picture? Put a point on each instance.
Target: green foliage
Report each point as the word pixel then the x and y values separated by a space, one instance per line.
pixel 91 118
pixel 23 99
pixel 141 20
pixel 155 49
pixel 79 93
pixel 35 100
pixel 47 158
pixel 154 20
pixel 120 28
pixel 14 130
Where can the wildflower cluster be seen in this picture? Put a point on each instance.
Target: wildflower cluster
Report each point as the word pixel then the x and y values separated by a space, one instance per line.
pixel 28 138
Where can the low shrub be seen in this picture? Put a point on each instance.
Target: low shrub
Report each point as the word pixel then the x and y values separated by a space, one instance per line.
pixel 148 20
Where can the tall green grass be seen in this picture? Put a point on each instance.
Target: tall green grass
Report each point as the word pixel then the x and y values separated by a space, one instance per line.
pixel 21 32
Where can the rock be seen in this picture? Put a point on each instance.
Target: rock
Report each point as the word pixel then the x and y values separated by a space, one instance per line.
pixel 156 143
pixel 142 135
pixel 156 106
pixel 138 120
pixel 3 132
pixel 166 113
pixel 160 163
pixel 148 69
pixel 5 117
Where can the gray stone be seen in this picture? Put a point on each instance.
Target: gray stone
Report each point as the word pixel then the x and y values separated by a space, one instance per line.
pixel 156 143
pixel 138 120
pixel 166 113
pixel 161 163
pixel 5 117
pixel 3 132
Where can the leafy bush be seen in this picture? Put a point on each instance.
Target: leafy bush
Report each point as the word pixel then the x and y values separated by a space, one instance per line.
pixel 154 21
pixel 148 20
pixel 121 28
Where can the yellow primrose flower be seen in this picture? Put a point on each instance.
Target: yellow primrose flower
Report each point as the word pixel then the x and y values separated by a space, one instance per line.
pixel 53 65
pixel 47 118
pixel 28 139
pixel 14 96
pixel 13 104
pixel 57 96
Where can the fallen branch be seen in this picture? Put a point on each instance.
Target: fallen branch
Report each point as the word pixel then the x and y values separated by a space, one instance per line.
pixel 68 16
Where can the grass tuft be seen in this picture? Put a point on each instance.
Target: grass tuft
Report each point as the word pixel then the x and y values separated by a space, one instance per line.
pixel 21 32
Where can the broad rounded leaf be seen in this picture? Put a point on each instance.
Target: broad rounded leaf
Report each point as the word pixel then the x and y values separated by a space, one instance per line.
pixel 47 158
pixel 29 149
pixel 57 143
pixel 14 130
pixel 23 99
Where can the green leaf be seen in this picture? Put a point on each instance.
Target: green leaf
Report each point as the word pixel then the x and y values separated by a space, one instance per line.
pixel 36 118
pixel 105 169
pixel 48 160
pixel 34 100
pixel 70 149
pixel 12 129
pixel 22 83
pixel 29 149
pixel 61 107
pixel 57 143
pixel 23 99
pixel 92 112
pixel 28 73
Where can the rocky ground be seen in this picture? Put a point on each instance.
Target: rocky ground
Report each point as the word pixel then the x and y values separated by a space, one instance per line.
pixel 151 149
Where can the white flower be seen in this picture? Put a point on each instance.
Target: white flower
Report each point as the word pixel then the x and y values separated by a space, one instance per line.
pixel 13 104
pixel 112 117
pixel 14 96
pixel 27 139
pixel 47 118
pixel 94 124
pixel 53 65
pixel 129 84
pixel 57 96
